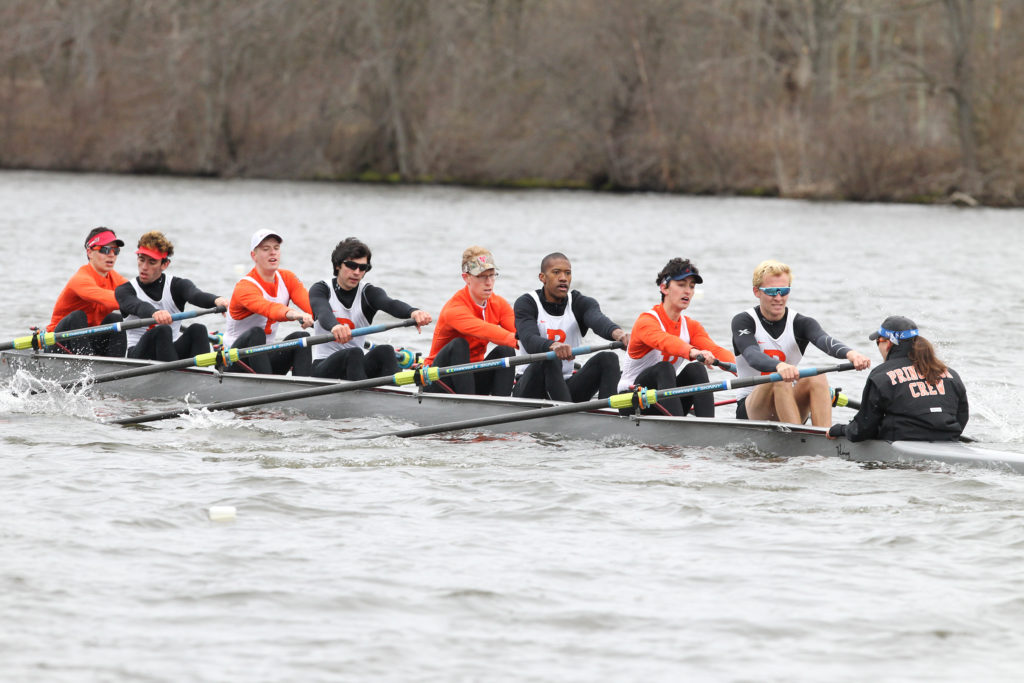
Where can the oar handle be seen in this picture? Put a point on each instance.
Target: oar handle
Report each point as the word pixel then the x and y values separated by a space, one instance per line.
pixel 420 376
pixel 431 374
pixel 642 398
pixel 233 355
pixel 47 339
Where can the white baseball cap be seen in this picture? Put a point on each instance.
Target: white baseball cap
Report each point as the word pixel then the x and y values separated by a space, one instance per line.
pixel 261 235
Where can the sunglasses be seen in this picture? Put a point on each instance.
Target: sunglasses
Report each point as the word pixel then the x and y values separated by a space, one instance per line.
pixel 352 265
pixel 108 250
pixel 775 291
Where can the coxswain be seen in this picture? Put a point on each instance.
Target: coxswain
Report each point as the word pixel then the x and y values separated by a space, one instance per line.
pixel 772 338
pixel 663 343
pixel 88 300
pixel 912 395
pixel 154 294
pixel 555 318
pixel 267 296
pixel 347 301
pixel 474 317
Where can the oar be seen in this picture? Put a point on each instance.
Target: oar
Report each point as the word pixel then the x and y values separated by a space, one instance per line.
pixel 641 398
pixel 422 376
pixel 46 339
pixel 234 355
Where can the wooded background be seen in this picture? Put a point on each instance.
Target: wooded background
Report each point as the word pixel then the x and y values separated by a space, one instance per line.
pixel 906 100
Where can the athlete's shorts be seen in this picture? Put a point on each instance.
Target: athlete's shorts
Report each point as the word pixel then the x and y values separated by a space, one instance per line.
pixel 741 409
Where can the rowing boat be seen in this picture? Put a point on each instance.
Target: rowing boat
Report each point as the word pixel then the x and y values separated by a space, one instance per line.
pixel 205 385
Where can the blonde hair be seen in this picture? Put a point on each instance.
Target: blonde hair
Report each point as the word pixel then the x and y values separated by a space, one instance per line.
pixel 472 254
pixel 770 267
pixel 154 239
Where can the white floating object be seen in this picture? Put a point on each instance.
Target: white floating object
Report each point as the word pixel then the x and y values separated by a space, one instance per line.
pixel 222 513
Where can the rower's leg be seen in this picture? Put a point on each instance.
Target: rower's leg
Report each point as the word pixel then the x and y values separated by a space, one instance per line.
pixel 703 405
pixel 599 374
pixel 259 363
pixel 155 344
pixel 531 383
pixel 813 398
pixel 114 345
pixel 298 360
pixel 660 376
pixel 344 363
pixel 75 320
pixel 497 382
pixel 455 352
pixel 380 361
pixel 194 340
pixel 773 401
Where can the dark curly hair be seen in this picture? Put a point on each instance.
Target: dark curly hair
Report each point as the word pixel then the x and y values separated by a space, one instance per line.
pixel 349 248
pixel 675 267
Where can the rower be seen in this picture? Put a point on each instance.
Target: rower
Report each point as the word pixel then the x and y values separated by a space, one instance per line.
pixel 88 300
pixel 348 301
pixel 773 338
pixel 260 302
pixel 472 318
pixel 912 395
pixel 664 341
pixel 153 294
pixel 554 318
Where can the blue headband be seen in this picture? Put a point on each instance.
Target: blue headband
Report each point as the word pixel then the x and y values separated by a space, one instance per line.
pixel 896 336
pixel 682 276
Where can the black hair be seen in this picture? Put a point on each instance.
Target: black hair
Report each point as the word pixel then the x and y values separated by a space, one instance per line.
pixel 94 232
pixel 349 248
pixel 553 256
pixel 675 267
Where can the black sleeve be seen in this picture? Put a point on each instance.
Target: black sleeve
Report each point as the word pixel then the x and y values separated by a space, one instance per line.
pixel 807 329
pixel 744 343
pixel 589 316
pixel 320 303
pixel 376 299
pixel 963 412
pixel 527 330
pixel 184 290
pixel 865 423
pixel 131 304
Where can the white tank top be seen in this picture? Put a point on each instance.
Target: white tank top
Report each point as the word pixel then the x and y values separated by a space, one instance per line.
pixel 353 317
pixel 632 368
pixel 236 328
pixel 164 303
pixel 784 349
pixel 560 328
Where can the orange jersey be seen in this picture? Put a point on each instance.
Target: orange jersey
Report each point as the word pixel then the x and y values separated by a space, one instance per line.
pixel 87 291
pixel 247 298
pixel 647 335
pixel 461 317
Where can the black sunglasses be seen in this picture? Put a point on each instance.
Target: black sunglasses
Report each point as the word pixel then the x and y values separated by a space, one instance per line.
pixel 352 265
pixel 108 250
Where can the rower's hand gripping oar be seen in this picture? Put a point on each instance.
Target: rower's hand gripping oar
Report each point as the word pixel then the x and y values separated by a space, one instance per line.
pixel 43 340
pixel 233 355
pixel 421 377
pixel 639 398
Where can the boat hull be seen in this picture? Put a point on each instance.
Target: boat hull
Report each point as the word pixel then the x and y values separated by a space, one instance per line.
pixel 201 386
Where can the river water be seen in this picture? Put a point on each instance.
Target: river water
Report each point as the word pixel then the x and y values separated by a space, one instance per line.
pixel 519 558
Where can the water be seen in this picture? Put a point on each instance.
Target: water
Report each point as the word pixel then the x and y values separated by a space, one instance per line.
pixel 471 557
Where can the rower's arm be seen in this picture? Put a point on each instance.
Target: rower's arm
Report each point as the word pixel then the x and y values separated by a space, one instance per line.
pixel 185 291
pixel 376 299
pixel 811 330
pixel 319 302
pixel 589 316
pixel 527 329
pixel 130 304
pixel 865 423
pixel 745 344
